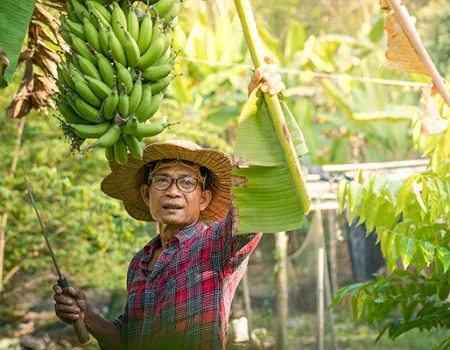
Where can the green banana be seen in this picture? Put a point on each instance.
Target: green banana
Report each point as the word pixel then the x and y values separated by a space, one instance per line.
pixel 145 33
pixel 119 21
pixel 109 153
pixel 71 12
pixel 162 7
pixel 71 100
pixel 92 35
pixel 110 137
pixel 162 84
pixel 98 87
pixel 120 151
pixel 90 131
pixel 130 126
pixel 103 2
pixel 86 110
pixel 66 77
pixel 173 12
pixel 168 36
pixel 82 49
pixel 145 102
pixel 154 73
pixel 101 9
pixel 107 71
pixel 124 77
pixel 65 34
pixel 174 22
pixel 139 13
pixel 134 146
pixel 74 61
pixel 111 103
pixel 75 28
pixel 88 68
pixel 152 54
pixel 86 93
pixel 131 50
pixel 80 10
pixel 104 39
pixel 68 113
pixel 133 24
pixel 135 97
pixel 152 109
pixel 150 129
pixel 123 104
pixel 98 17
pixel 116 48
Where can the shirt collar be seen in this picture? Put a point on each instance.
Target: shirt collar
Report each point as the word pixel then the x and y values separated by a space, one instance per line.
pixel 182 236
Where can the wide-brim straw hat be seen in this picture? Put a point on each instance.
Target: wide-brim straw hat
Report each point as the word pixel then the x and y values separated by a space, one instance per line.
pixel 124 182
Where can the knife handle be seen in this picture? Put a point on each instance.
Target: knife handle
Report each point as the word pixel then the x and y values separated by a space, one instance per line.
pixel 80 327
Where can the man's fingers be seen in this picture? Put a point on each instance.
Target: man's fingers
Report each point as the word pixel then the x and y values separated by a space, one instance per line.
pixel 61 309
pixel 62 299
pixel 271 84
pixel 269 71
pixel 57 289
pixel 268 59
pixel 280 88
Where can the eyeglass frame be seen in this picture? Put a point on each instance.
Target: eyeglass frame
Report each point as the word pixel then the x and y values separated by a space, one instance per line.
pixel 172 180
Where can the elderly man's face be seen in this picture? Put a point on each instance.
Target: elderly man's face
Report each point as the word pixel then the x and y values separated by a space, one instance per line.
pixel 173 206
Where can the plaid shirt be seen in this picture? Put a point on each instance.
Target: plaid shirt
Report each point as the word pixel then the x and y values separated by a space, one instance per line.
pixel 184 302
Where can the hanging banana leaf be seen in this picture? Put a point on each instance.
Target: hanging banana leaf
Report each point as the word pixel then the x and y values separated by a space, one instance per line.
pixel 268 202
pixel 275 197
pixel 15 17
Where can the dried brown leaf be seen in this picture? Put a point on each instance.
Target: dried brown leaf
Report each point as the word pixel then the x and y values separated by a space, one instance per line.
pixel 405 49
pixel 26 54
pixel 431 120
pixel 46 59
pixel 42 15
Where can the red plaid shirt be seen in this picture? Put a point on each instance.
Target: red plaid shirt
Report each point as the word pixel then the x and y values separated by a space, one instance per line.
pixel 184 302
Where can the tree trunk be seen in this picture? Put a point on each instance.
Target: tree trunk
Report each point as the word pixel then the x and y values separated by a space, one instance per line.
pixel 20 127
pixel 282 291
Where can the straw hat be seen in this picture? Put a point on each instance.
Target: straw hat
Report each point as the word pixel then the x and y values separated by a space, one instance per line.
pixel 124 182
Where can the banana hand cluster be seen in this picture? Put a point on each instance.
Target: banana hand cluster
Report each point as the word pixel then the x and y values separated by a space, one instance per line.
pixel 112 81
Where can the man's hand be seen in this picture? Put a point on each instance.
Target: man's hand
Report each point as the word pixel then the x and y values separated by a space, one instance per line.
pixel 70 307
pixel 272 80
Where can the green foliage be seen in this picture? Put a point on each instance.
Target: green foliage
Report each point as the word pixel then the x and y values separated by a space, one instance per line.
pixel 86 227
pixel 15 17
pixel 420 239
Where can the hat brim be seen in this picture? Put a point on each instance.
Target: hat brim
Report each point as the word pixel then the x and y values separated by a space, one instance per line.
pixel 124 182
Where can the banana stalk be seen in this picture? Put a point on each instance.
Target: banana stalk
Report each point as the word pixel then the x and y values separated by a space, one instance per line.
pixel 281 130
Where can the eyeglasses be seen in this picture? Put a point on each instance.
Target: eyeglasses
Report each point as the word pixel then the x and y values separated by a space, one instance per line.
pixel 186 184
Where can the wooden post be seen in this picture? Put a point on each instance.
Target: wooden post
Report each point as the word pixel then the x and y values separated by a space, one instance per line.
pixel 282 291
pixel 248 307
pixel 320 298
pixel 332 230
pixel 323 285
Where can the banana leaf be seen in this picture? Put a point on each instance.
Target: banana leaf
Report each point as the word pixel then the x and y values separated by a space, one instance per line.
pixel 15 16
pixel 268 201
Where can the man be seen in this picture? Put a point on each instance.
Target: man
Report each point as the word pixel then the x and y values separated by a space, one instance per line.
pixel 181 284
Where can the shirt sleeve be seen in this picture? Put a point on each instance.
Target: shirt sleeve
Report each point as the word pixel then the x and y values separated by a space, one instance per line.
pixel 229 251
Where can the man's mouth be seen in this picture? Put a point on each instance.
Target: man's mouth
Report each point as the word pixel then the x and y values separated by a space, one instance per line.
pixel 172 206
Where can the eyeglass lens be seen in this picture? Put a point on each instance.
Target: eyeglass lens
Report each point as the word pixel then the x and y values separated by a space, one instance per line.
pixel 186 183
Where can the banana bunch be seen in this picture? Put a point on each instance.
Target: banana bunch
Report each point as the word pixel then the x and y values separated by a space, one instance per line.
pixel 113 79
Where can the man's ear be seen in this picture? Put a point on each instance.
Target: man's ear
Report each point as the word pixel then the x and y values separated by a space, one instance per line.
pixel 205 199
pixel 145 192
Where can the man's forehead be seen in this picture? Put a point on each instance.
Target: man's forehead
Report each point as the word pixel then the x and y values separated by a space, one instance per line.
pixel 179 168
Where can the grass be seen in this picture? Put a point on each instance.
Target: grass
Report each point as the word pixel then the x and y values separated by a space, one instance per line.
pixel 302 335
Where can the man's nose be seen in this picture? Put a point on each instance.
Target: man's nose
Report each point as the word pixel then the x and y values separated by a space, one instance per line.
pixel 173 190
